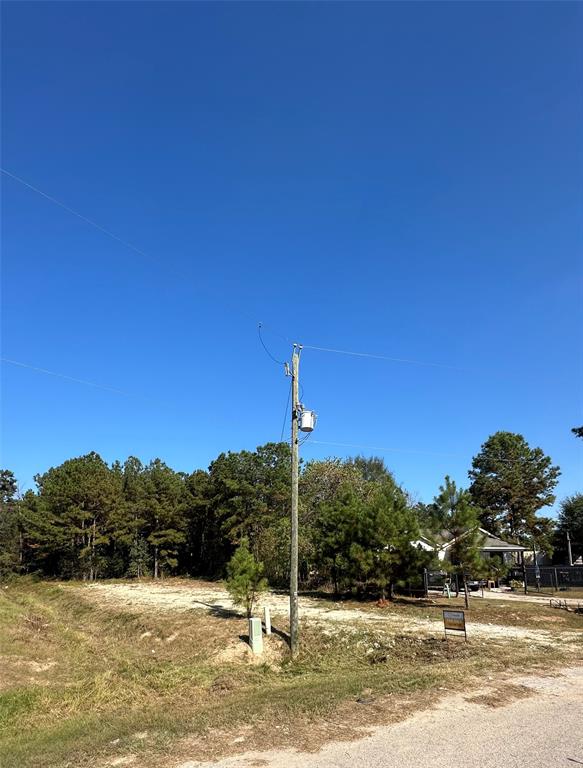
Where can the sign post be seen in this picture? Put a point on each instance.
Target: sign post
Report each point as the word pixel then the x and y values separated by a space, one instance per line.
pixel 454 621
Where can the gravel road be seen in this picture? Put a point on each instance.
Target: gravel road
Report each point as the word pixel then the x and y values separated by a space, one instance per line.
pixel 543 729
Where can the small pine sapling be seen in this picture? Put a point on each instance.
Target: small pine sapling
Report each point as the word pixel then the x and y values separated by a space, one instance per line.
pixel 245 581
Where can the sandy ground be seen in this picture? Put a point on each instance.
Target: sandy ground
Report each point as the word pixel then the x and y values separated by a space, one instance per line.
pixel 518 597
pixel 206 596
pixel 542 727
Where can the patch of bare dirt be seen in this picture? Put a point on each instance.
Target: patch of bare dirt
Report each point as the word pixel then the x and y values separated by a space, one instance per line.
pixel 239 652
pixel 212 597
pixel 548 619
pixel 430 649
pixel 500 696
pixel 16 670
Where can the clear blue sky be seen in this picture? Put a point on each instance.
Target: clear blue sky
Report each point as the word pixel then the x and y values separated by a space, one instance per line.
pixel 396 179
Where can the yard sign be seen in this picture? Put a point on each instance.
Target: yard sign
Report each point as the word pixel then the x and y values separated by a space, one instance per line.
pixel 455 621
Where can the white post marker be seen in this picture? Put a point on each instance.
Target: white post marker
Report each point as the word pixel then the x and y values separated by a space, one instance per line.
pixel 267 619
pixel 256 636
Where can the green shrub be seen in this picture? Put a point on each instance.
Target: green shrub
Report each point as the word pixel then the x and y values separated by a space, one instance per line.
pixel 245 580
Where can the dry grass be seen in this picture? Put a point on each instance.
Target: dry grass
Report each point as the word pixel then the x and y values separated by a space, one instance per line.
pixel 481 610
pixel 84 683
pixel 500 696
pixel 575 593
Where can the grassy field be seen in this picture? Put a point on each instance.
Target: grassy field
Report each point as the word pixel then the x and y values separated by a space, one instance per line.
pixel 86 684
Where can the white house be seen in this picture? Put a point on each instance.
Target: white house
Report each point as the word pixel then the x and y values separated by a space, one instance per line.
pixel 490 546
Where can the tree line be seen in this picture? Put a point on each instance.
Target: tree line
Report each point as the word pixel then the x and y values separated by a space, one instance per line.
pixel 88 519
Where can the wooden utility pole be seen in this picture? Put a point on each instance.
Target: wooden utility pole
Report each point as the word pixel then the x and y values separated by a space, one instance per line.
pixel 293 572
pixel 570 553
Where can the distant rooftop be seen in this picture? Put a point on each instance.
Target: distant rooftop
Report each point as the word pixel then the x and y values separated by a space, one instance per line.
pixel 443 539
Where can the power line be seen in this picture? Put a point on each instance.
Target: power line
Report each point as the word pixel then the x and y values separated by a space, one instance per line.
pixel 275 360
pixel 77 214
pixel 132 247
pixel 237 310
pixel 305 438
pixel 386 357
pixel 71 378
pixel 286 412
pixel 278 362
pixel 381 449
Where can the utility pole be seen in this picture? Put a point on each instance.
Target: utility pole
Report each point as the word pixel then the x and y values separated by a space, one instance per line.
pixel 293 574
pixel 569 549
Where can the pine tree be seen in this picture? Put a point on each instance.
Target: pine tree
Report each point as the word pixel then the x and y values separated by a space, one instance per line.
pixel 164 506
pixel 80 496
pixel 459 518
pixel 245 581
pixel 337 532
pixel 250 492
pixel 570 522
pixel 511 482
pixel 393 527
pixel 10 547
pixel 139 558
pixel 365 538
pixel 128 522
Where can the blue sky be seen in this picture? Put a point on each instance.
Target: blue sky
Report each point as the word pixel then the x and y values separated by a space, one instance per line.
pixel 397 179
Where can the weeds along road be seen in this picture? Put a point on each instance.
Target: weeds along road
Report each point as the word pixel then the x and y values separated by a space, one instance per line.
pixel 533 720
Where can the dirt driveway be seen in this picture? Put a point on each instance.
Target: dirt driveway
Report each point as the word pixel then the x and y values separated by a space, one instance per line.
pixel 200 595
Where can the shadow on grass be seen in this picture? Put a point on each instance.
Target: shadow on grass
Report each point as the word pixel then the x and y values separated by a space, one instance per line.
pixel 221 612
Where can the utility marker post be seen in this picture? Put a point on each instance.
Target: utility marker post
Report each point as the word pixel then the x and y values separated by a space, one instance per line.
pixel 256 636
pixel 293 571
pixel 569 549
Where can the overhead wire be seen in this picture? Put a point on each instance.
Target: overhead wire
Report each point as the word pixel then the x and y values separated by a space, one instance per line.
pixel 104 230
pixel 278 362
pixel 140 252
pixel 387 357
pixel 237 310
pixel 144 254
pixel 72 211
pixel 88 383
pixel 275 360
pixel 286 412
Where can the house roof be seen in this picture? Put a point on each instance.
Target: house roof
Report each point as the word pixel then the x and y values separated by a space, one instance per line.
pixel 493 543
pixel 490 543
pixel 437 539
